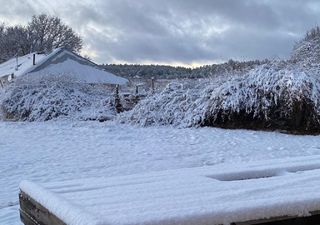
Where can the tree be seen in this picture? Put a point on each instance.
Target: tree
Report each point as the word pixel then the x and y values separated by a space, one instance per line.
pixel 42 34
pixel 47 33
pixel 13 41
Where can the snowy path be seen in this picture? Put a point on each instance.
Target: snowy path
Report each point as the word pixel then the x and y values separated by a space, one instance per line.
pixel 56 151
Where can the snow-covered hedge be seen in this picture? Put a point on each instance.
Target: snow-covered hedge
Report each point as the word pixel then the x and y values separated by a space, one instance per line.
pixel 273 96
pixel 45 98
pixel 277 95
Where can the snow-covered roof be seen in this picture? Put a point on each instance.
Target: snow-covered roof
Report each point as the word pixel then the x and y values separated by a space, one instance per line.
pixel 209 195
pixel 59 62
pixel 19 65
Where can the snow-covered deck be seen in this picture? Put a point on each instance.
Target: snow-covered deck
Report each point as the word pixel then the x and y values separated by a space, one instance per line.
pixel 208 195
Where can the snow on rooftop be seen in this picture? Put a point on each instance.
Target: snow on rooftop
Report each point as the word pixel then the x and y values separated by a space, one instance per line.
pixel 208 195
pixel 81 72
pixel 18 66
pixel 84 72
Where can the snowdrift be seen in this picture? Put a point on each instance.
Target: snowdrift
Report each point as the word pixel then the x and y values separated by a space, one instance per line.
pixel 34 98
pixel 276 95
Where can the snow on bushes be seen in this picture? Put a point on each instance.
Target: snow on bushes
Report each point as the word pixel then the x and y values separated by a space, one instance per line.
pixel 308 49
pixel 179 104
pixel 45 98
pixel 277 95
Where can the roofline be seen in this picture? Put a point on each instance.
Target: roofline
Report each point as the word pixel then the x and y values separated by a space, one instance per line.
pixel 76 54
pixel 56 52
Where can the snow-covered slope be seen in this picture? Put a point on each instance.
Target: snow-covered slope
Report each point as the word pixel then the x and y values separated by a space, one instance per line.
pixel 209 195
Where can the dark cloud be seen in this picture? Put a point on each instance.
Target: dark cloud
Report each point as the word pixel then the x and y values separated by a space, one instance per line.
pixel 179 31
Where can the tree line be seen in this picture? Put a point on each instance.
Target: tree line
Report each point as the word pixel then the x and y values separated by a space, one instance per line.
pixel 172 72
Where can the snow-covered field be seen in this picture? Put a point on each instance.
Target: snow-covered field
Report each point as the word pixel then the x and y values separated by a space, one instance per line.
pixel 54 151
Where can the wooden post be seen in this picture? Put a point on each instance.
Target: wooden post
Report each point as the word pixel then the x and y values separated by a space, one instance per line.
pixel 117 102
pixel 17 63
pixel 117 90
pixel 34 59
pixel 152 85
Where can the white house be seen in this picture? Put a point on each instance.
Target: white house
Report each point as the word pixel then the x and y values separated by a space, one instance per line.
pixel 58 62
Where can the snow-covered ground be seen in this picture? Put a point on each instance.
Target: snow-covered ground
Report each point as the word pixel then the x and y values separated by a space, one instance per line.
pixel 54 151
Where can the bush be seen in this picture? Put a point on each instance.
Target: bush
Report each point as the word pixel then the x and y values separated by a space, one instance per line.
pixel 179 104
pixel 51 97
pixel 308 49
pixel 277 95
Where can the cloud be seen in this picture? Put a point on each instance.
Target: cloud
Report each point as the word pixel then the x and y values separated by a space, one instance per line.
pixel 178 31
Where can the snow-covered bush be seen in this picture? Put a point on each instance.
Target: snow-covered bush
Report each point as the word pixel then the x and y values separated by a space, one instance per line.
pixel 49 97
pixel 277 95
pixel 179 104
pixel 308 49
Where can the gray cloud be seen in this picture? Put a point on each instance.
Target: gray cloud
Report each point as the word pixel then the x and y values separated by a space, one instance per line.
pixel 178 31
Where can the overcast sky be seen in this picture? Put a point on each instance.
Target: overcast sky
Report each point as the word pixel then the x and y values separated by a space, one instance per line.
pixel 177 32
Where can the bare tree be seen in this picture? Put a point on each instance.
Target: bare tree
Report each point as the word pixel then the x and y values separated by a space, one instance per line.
pixel 47 33
pixel 43 33
pixel 13 41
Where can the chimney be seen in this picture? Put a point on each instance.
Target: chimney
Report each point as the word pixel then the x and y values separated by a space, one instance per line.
pixel 34 59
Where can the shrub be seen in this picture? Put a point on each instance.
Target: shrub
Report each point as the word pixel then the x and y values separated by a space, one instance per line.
pixel 276 95
pixel 50 97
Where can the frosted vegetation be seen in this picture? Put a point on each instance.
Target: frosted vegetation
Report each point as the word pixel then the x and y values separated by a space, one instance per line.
pixel 308 49
pixel 38 98
pixel 272 95
pixel 276 95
